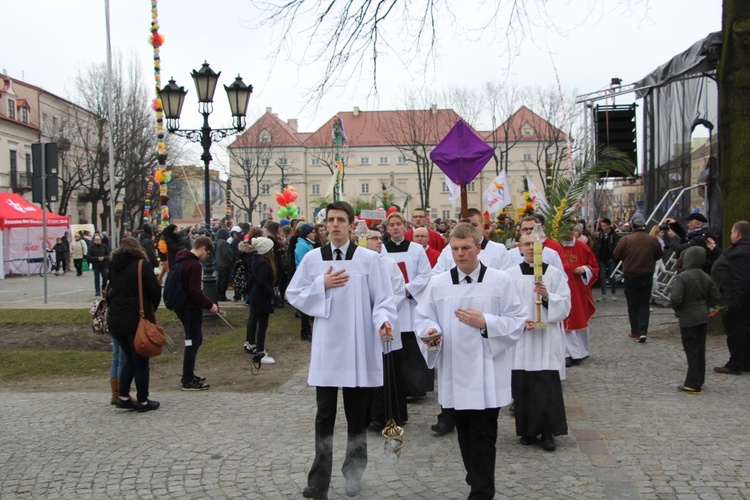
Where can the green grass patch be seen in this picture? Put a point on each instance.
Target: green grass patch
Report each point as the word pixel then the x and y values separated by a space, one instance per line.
pixel 46 316
pixel 25 365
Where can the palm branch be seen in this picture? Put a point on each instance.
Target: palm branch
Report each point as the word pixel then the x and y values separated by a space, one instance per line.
pixel 567 188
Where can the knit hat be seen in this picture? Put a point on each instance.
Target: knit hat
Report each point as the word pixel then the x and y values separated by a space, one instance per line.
pixel 305 230
pixel 283 222
pixel 236 229
pixel 638 221
pixel 262 245
pixel 147 229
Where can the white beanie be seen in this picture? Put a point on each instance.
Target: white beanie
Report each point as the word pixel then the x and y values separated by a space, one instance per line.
pixel 262 245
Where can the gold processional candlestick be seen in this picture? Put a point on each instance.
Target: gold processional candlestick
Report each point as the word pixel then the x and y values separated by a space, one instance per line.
pixel 361 233
pixel 537 236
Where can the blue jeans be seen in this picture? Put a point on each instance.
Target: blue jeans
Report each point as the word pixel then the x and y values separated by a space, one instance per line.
pixel 606 268
pixel 103 273
pixel 118 359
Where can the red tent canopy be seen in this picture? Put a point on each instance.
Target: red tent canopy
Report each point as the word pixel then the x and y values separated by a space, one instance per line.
pixel 15 211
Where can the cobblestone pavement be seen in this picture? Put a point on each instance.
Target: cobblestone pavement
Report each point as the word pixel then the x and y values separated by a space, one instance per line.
pixel 632 435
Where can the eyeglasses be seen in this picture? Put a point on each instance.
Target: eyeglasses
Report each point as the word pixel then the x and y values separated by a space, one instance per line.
pixel 527 229
pixel 375 238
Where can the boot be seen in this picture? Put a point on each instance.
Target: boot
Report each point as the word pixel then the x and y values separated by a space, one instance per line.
pixel 115 384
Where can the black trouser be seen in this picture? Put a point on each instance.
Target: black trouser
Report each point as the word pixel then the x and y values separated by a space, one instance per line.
pixel 136 366
pixel 694 344
pixel 477 435
pixel 222 281
pixel 192 322
pixel 355 408
pixel 306 328
pixel 79 266
pixel 638 295
pixel 737 330
pixel 257 324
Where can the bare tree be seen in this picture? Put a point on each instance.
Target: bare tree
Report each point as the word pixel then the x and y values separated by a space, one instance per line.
pixel 502 103
pixel 466 102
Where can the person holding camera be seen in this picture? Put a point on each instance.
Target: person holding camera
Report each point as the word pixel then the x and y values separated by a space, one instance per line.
pixel 697 234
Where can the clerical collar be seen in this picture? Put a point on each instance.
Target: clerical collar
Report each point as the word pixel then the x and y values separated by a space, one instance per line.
pixel 570 243
pixel 343 247
pixel 474 275
pixel 397 242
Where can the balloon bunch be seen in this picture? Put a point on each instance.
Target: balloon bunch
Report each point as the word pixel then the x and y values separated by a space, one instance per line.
pixel 287 208
pixel 159 175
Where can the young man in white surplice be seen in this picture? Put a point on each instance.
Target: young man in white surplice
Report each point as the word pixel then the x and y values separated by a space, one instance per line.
pixel 346 289
pixel 480 315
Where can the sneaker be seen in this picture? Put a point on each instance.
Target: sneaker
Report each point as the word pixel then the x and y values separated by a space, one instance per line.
pixel 266 359
pixel 614 297
pixel 250 348
pixel 125 404
pixel 603 298
pixel 688 390
pixel 195 385
pixel 199 379
pixel 148 405
pixel 642 339
pixel 633 336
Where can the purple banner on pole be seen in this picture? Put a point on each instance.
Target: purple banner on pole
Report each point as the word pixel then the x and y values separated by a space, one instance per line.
pixel 462 154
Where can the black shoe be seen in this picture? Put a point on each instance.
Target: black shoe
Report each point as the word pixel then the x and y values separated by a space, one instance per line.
pixel 306 336
pixel 575 362
pixel 642 339
pixel 147 406
pixel 196 378
pixel 527 440
pixel 548 443
pixel 125 404
pixel 568 362
pixel 195 385
pixel 376 425
pixel 310 492
pixel 726 371
pixel 353 487
pixel 442 428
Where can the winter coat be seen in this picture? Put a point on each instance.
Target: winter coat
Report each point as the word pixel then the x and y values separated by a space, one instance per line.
pixel 605 245
pixel 148 246
pixel 123 293
pixel 78 249
pixel 224 257
pixel 696 237
pixel 192 272
pixel 693 290
pixel 638 252
pixel 60 250
pixel 303 246
pixel 260 284
pixel 174 245
pixel 733 275
pixel 96 251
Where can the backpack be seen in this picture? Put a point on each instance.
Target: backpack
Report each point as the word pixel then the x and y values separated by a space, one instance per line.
pixel 175 295
pixel 239 277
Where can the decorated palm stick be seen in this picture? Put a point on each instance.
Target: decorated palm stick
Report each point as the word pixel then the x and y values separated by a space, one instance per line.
pixel 537 236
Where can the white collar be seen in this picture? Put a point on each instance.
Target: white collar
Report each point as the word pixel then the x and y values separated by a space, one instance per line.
pixel 474 274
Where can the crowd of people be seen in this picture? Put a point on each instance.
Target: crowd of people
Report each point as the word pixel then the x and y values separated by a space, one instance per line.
pixel 509 338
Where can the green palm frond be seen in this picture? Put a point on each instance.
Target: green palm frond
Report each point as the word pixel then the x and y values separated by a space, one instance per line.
pixel 564 195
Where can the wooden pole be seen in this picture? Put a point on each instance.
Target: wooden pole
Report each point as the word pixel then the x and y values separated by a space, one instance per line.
pixel 464 202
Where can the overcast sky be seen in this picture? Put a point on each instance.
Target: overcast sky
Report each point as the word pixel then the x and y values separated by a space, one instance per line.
pixel 46 42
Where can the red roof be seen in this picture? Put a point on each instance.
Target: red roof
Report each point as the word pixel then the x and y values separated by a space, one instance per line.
pixel 281 134
pixel 542 129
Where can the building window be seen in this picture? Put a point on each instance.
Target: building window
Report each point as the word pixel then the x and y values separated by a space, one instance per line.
pixel 283 162
pixel 365 187
pixel 24 115
pixel 364 160
pixel 11 108
pixel 315 162
pixel 247 217
pixel 383 160
pixel 54 124
pixel 471 187
pixel 401 160
pixel 28 162
pixel 245 189
pixel 14 177
pixel 446 214
pixel 263 162
pixel 527 157
pixel 504 155
pixel 445 188
pixel 527 132
pixel 264 137
pixel 246 163
pixel 265 189
pixel 316 189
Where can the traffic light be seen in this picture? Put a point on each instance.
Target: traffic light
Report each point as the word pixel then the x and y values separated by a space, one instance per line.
pixel 50 167
pixel 615 128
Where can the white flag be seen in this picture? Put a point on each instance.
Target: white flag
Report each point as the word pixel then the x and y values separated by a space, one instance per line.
pixel 536 196
pixel 497 195
pixel 454 190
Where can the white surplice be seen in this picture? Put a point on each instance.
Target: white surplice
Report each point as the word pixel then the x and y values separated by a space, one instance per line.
pixel 418 273
pixel 493 255
pixel 549 256
pixel 542 348
pixel 346 345
pixel 473 371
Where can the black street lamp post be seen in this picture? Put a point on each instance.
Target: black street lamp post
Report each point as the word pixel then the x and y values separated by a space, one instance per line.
pixel 172 98
pixel 261 208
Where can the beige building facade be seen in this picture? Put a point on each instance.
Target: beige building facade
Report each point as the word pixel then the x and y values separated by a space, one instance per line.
pixel 383 150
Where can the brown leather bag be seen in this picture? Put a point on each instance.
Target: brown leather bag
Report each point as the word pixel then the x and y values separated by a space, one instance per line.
pixel 149 337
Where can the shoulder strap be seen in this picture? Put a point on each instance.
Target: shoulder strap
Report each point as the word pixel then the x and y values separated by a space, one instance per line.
pixel 454 275
pixel 140 287
pixel 349 251
pixel 482 270
pixel 484 243
pixel 326 252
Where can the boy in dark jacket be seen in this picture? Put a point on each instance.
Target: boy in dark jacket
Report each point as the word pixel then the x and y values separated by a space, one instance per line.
pixel 191 314
pixel 691 294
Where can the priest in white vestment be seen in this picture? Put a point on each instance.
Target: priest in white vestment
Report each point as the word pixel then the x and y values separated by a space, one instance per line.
pixel 481 317
pixel 348 292
pixel 539 353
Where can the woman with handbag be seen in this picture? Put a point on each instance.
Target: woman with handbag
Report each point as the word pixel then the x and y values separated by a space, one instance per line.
pixel 123 300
